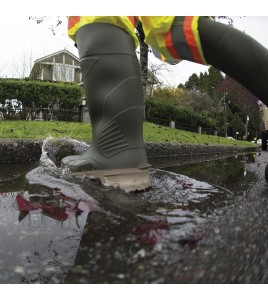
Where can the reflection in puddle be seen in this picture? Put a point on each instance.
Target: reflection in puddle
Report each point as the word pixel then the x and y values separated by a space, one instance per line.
pixel 35 248
pixel 220 172
pixel 59 229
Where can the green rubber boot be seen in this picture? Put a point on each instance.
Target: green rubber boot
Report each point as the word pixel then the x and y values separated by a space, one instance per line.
pixel 114 94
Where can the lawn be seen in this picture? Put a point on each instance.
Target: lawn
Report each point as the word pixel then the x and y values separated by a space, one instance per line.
pixel 82 131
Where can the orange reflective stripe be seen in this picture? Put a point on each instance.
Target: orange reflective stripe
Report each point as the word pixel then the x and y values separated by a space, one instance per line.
pixel 169 45
pixel 72 21
pixel 132 20
pixel 190 39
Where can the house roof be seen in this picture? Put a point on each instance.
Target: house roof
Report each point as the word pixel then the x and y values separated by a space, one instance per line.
pixel 56 53
pixel 47 60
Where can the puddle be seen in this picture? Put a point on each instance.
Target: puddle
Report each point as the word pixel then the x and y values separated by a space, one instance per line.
pixel 59 229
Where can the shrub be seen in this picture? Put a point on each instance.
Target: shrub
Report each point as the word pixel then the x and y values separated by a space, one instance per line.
pixel 36 96
pixel 182 115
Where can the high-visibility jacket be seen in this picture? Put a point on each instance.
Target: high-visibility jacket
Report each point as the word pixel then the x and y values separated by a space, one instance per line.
pixel 174 37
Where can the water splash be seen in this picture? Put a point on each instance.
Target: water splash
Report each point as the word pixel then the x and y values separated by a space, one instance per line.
pixel 51 147
pixel 170 187
pixel 49 175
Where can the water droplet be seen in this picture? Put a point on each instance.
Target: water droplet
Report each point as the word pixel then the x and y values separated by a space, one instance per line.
pixel 19 269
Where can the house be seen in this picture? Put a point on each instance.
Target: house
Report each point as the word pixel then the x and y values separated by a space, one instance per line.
pixel 60 66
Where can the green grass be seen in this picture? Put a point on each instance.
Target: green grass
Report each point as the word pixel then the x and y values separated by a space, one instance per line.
pixel 42 129
pixel 156 133
pixel 82 131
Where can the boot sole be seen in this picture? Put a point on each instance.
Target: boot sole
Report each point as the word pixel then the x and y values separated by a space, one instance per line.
pixel 129 179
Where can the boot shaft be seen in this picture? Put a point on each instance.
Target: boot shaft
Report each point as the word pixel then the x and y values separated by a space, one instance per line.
pixel 113 87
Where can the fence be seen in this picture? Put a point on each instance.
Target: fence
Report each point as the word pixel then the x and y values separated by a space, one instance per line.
pixel 73 115
pixel 185 127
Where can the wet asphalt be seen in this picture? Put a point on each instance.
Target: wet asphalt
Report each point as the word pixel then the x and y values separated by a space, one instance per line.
pixel 229 246
pixel 235 246
pixel 182 230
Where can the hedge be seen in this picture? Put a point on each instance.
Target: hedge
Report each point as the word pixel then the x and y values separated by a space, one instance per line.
pixel 36 96
pixel 162 110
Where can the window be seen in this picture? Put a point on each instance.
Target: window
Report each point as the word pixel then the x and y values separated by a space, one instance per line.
pixel 63 73
pixel 69 74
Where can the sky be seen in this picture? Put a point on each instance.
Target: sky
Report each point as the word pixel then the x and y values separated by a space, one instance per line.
pixel 24 41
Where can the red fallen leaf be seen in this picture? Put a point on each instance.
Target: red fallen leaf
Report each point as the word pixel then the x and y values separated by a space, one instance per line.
pixel 25 205
pixel 70 209
pixel 62 213
pixel 152 236
pixel 145 227
pixel 151 232
pixel 57 213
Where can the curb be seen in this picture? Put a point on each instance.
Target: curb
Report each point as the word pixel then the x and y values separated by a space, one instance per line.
pixel 17 151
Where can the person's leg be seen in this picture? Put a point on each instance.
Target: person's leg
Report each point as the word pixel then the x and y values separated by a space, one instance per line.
pixel 174 37
pixel 236 54
pixel 114 93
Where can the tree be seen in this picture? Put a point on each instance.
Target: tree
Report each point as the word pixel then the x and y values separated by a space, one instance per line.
pixel 23 66
pixel 243 100
pixel 202 103
pixel 237 125
pixel 212 81
pixel 205 82
pixel 56 22
pixel 144 49
pixel 168 94
pixel 229 20
pixel 193 83
pixel 204 94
